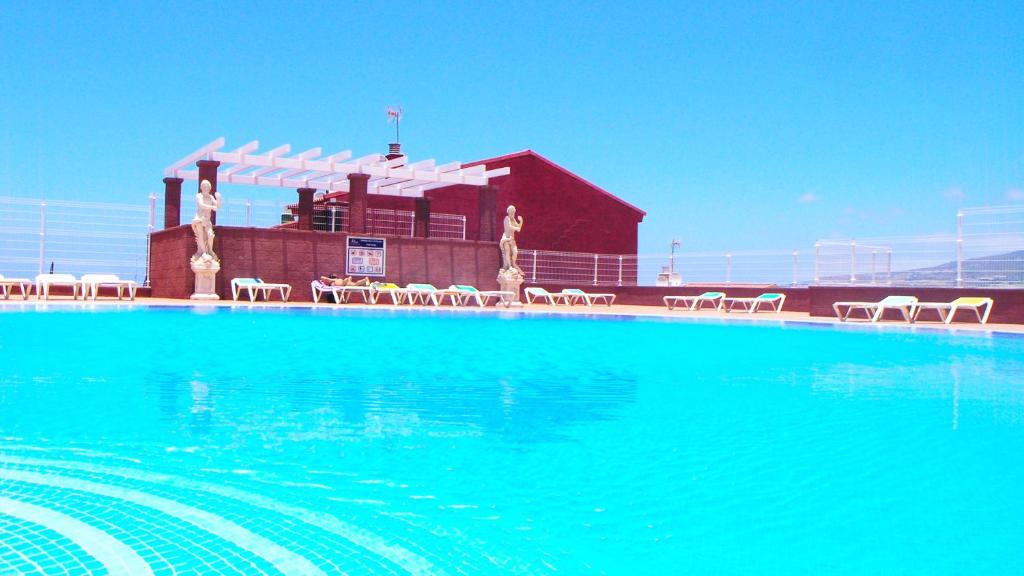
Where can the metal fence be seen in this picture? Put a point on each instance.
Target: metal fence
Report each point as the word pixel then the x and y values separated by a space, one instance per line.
pixel 38 236
pixel 987 249
pixel 334 218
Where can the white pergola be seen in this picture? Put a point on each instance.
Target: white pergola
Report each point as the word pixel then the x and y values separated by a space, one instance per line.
pixel 275 168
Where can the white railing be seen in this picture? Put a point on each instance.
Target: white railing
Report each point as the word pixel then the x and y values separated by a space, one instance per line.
pixel 335 218
pixel 74 237
pixel 447 226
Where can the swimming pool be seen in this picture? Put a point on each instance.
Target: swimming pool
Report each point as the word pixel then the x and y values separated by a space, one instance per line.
pixel 220 441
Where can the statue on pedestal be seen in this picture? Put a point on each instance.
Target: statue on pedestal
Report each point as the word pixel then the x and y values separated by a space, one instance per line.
pixel 509 250
pixel 202 223
pixel 510 276
pixel 205 263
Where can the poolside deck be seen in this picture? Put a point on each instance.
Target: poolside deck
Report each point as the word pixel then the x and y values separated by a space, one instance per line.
pixel 599 310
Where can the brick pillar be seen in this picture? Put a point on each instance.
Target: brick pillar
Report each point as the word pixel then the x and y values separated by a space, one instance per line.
pixel 172 202
pixel 421 224
pixel 208 171
pixel 486 209
pixel 357 203
pixel 306 208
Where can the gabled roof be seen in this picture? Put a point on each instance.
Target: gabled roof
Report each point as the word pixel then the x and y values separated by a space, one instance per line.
pixel 531 153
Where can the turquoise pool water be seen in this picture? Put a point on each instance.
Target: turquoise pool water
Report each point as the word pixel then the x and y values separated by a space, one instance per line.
pixel 171 441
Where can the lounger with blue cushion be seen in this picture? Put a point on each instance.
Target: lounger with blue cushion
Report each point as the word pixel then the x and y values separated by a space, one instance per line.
pixel 8 284
pixel 751 305
pixel 589 298
pixel 534 293
pixel 91 284
pixel 906 305
pixel 44 282
pixel 256 286
pixel 695 302
pixel 463 294
pixel 947 310
pixel 423 293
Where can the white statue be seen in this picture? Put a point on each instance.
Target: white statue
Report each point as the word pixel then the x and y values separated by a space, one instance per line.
pixel 202 225
pixel 509 250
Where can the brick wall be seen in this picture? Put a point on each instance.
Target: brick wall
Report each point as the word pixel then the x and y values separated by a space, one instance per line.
pixel 297 256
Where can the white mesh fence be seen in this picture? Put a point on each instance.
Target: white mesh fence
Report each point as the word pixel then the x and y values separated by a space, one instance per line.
pixel 448 226
pixel 74 237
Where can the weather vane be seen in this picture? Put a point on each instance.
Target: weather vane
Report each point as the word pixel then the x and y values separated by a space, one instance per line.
pixel 395 115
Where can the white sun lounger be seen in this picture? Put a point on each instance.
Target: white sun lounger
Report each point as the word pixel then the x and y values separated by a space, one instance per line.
pixel 341 294
pixel 397 294
pixel 533 293
pixel 46 281
pixel 7 284
pixel 873 310
pixel 695 302
pixel 947 310
pixel 256 286
pixel 589 298
pixel 423 293
pixel 91 284
pixel 751 305
pixel 462 295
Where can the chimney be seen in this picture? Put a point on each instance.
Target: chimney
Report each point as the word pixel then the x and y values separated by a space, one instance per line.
pixel 394 150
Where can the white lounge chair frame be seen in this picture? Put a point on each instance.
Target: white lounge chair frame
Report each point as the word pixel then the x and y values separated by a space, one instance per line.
pixel 751 305
pixel 91 284
pixel 576 296
pixel 716 299
pixel 24 284
pixel 423 294
pixel 532 293
pixel 462 295
pixel 397 294
pixel 947 310
pixel 46 281
pixel 341 294
pixel 255 287
pixel 906 305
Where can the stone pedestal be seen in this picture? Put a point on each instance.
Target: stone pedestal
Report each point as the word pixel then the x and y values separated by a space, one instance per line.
pixel 509 281
pixel 205 269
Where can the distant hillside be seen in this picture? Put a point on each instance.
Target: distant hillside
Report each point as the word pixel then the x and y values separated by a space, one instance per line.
pixel 999 269
pixel 1005 268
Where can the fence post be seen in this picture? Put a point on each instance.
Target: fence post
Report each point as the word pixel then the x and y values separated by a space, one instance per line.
pixel 960 249
pixel 796 266
pixel 853 261
pixel 248 212
pixel 728 267
pixel 42 236
pixel 149 236
pixel 620 269
pixel 817 263
pixel 534 280
pixel 874 256
pixel 888 266
pixel 595 269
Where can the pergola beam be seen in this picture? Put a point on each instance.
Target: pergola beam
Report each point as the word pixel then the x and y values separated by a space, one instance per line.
pixel 395 176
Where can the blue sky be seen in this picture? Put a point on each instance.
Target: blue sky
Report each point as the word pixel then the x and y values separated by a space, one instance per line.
pixel 735 126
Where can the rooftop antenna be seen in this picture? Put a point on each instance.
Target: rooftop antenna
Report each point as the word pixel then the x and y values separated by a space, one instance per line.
pixel 395 115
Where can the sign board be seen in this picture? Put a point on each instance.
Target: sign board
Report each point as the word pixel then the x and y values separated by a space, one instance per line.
pixel 365 256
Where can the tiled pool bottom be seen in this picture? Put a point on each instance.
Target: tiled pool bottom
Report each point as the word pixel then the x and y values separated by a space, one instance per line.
pixel 380 442
pixel 134 521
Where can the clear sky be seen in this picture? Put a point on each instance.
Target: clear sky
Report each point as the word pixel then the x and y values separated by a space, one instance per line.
pixel 735 126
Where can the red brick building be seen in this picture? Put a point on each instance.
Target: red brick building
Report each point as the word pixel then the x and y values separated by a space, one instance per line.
pixel 562 211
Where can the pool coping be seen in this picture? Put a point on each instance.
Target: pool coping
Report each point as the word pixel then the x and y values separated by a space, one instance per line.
pixel 622 311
